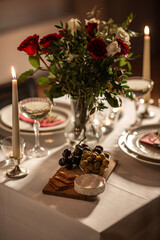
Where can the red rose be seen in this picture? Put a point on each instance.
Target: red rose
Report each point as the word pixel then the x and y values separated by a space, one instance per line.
pixel 124 48
pixel 97 47
pixel 47 40
pixel 92 28
pixel 30 45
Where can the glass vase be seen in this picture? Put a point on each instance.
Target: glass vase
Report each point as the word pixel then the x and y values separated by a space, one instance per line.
pixel 82 126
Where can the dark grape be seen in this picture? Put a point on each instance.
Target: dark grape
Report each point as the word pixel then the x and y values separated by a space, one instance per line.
pixel 62 161
pixel 66 152
pixel 69 159
pixel 76 160
pixel 87 149
pixel 69 166
pixel 78 151
pixel 98 150
pixel 99 146
pixel 84 145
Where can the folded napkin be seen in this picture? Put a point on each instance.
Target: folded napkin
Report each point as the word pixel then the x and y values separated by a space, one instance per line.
pixel 152 139
pixel 46 122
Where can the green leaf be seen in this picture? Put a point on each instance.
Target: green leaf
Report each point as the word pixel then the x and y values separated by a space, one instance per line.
pixel 129 73
pixel 130 55
pixel 61 24
pixel 34 61
pixel 44 81
pixel 90 105
pixel 122 62
pixel 58 26
pixel 92 111
pixel 51 75
pixel 129 66
pixel 74 72
pixel 25 75
pixel 123 81
pixel 124 76
pixel 66 26
pixel 112 100
pixel 125 86
pixel 56 91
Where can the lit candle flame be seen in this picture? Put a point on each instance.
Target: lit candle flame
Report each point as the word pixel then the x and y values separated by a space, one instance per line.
pixel 146 30
pixel 13 72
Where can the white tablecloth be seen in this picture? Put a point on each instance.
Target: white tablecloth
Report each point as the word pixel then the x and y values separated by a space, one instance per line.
pixel 128 208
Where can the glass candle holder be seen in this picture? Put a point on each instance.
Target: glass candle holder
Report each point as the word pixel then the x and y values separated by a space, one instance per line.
pixel 6 146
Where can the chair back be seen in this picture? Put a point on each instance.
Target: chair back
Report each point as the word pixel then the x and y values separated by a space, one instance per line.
pixel 26 89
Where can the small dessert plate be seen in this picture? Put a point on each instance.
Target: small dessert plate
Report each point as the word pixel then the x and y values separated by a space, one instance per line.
pixel 89 184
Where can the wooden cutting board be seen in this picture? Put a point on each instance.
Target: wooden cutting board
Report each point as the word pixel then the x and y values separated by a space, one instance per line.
pixel 62 174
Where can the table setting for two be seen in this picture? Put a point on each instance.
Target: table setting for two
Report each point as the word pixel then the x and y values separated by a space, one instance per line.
pixel 100 115
pixel 69 75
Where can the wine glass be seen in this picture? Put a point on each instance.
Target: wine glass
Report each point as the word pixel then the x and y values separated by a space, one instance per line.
pixel 36 108
pixel 139 86
pixel 146 101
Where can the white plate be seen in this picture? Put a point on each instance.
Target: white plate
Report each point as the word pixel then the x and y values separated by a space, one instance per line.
pixel 61 112
pixel 123 147
pixel 133 143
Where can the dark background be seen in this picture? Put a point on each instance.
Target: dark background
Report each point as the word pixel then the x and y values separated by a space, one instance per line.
pixel 14 14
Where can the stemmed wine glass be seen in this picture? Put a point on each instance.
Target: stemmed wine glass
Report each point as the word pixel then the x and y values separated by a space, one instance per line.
pixel 139 86
pixel 146 101
pixel 36 108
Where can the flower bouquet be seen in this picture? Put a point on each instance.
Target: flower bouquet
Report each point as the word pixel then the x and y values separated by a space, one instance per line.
pixel 86 61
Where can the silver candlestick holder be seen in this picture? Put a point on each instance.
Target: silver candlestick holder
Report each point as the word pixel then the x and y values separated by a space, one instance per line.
pixel 17 171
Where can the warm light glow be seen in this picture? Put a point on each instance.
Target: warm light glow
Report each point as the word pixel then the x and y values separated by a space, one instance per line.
pixel 141 101
pixel 13 72
pixel 107 122
pixel 115 110
pixel 49 140
pixel 146 30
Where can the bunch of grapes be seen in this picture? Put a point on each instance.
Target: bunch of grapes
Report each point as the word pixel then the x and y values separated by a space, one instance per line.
pixel 95 161
pixel 69 158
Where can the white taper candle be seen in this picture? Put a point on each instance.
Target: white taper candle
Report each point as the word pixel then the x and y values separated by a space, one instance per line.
pixel 146 55
pixel 15 117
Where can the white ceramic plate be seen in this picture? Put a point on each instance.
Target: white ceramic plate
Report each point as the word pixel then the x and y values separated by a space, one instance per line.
pixel 61 112
pixel 132 141
pixel 123 147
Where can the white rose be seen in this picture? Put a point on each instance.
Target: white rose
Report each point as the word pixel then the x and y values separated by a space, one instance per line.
pixel 92 20
pixel 113 48
pixel 122 35
pixel 73 25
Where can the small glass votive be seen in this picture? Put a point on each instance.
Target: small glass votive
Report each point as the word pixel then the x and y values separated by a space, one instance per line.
pixel 6 146
pixel 110 120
